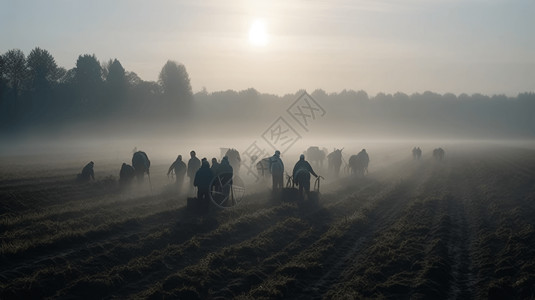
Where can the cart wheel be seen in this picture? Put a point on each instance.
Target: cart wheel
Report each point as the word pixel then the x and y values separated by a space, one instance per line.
pixel 226 190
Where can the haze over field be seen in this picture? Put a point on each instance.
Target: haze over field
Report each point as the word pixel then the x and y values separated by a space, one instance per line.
pixel 417 118
pixel 186 71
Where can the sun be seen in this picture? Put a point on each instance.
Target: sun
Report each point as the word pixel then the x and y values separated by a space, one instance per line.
pixel 258 34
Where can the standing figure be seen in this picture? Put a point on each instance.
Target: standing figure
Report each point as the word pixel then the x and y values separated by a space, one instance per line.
pixel 416 153
pixel 179 168
pixel 301 175
pixel 276 167
pixel 193 165
pixel 203 177
pixel 215 166
pixel 234 159
pixel 225 175
pixel 438 154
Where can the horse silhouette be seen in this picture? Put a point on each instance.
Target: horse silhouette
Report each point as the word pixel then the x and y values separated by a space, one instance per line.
pixel 334 160
pixel 358 164
pixel 316 155
pixel 262 167
pixel 141 164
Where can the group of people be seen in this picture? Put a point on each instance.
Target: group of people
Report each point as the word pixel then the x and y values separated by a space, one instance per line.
pixel 201 175
pixel 300 174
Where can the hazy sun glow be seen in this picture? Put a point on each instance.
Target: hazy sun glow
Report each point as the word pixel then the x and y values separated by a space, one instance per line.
pixel 258 33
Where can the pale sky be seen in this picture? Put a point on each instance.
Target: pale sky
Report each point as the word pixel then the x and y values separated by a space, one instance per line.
pixel 470 46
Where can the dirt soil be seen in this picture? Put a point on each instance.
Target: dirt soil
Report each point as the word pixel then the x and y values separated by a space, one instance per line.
pixel 461 228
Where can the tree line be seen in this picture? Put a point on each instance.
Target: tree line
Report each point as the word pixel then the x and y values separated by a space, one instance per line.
pixel 36 93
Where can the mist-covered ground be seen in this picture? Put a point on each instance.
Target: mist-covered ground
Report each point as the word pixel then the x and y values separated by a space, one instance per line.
pixel 71 153
pixel 458 228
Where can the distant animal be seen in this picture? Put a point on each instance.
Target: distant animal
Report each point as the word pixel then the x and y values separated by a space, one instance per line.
pixel 126 175
pixel 141 164
pixel 234 159
pixel 334 161
pixel 262 167
pixel 316 155
pixel 438 154
pixel 416 153
pixel 358 164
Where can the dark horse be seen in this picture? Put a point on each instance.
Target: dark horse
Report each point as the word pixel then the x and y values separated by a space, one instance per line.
pixel 141 164
pixel 262 167
pixel 358 164
pixel 334 160
pixel 316 155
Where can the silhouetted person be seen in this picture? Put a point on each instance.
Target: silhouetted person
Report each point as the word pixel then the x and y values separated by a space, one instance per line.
pixel 438 154
pixel 193 166
pixel 179 168
pixel 276 167
pixel 234 159
pixel 126 175
pixel 87 172
pixel 141 164
pixel 416 153
pixel 215 166
pixel 301 175
pixel 202 180
pixel 225 174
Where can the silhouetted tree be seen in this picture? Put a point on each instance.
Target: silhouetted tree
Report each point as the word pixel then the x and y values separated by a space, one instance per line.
pixel 249 94
pixel 401 97
pixel 132 79
pixel 88 79
pixel 116 85
pixel 14 71
pixel 175 82
pixel 319 94
pixel 42 69
pixel 14 81
pixel 43 75
pixel 3 84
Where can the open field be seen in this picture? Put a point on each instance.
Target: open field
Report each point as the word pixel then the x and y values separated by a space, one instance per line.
pixel 462 228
